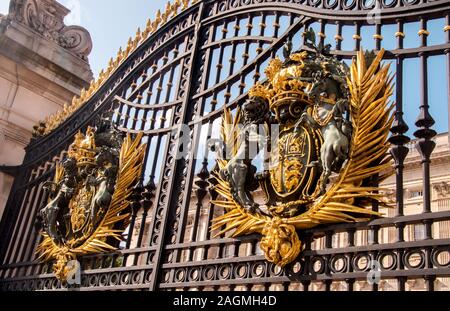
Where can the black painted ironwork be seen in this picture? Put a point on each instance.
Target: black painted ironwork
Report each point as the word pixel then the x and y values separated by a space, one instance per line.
pixel 185 73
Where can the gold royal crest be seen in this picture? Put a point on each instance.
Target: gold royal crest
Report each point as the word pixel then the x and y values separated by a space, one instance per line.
pixel 331 119
pixel 88 206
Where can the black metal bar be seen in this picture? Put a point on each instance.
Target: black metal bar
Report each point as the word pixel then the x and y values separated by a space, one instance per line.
pixel 175 166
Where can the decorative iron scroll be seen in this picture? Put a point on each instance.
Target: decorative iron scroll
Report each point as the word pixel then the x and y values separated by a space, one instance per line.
pixel 88 208
pixel 331 118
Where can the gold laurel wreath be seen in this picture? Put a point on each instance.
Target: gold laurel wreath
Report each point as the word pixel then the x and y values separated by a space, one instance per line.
pixel 130 166
pixel 370 108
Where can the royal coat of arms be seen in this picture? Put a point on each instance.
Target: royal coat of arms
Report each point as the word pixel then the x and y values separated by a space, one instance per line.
pixel 88 205
pixel 333 125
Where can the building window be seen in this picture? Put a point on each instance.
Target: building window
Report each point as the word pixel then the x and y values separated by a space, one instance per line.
pixel 415 194
pixel 335 240
pixel 419 232
pixel 190 221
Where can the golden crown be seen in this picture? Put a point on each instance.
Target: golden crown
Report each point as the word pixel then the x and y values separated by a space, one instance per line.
pixel 259 90
pixel 83 148
pixel 284 86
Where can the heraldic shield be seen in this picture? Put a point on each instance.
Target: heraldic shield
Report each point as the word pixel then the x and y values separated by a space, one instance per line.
pixel 325 160
pixel 88 207
pixel 290 175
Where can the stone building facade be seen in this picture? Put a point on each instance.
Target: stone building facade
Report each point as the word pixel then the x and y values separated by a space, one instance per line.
pixel 43 64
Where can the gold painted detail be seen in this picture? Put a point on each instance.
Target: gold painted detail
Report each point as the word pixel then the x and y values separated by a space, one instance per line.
pixel 378 37
pixel 280 242
pixel 53 121
pixel 423 32
pixel 79 207
pixel 400 34
pixel 447 28
pixel 286 173
pixel 317 118
pixel 284 82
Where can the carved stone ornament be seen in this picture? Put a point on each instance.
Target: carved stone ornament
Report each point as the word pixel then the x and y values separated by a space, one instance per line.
pixel 330 119
pixel 46 17
pixel 442 189
pixel 88 205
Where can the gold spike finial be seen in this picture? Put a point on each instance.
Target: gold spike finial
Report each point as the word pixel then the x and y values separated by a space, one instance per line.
pixel 138 34
pixel 168 6
pixel 137 38
pixel 110 66
pixel 90 89
pixel 83 95
pixel 165 15
pixel 129 47
pixel 147 30
pixel 157 21
pixel 176 5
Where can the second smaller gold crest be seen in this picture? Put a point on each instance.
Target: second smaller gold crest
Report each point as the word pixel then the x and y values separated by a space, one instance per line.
pixel 88 208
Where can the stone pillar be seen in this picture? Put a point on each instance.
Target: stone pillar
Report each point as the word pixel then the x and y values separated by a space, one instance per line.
pixel 43 64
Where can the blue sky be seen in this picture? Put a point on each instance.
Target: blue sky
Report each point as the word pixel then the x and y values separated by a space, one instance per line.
pixel 112 22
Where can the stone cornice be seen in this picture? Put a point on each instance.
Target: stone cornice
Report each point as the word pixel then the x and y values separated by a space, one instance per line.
pixel 46 18
pixel 56 86
pixel 436 157
pixel 14 133
pixel 42 56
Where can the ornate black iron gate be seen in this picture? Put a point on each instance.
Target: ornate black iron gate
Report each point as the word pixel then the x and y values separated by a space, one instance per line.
pixel 185 73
